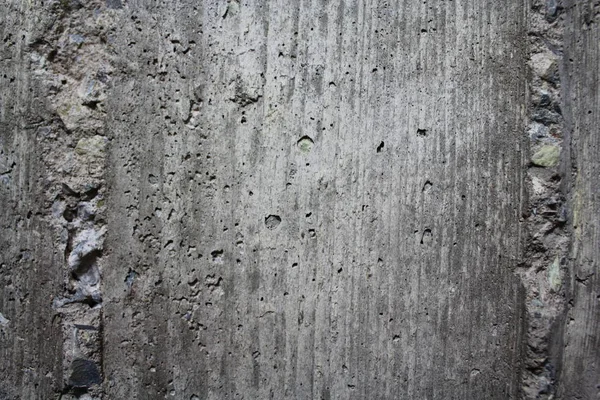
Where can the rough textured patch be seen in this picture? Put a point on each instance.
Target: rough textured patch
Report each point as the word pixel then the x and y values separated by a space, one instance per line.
pixel 58 69
pixel 546 156
pixel 545 260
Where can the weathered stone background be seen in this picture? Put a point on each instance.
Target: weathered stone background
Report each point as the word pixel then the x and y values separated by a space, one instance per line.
pixel 354 199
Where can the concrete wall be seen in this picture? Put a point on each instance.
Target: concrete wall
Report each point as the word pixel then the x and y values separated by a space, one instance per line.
pixel 294 199
pixel 580 376
pixel 31 266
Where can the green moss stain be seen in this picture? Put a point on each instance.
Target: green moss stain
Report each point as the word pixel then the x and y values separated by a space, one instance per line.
pixel 554 275
pixel 63 110
pixel 546 156
pixel 94 146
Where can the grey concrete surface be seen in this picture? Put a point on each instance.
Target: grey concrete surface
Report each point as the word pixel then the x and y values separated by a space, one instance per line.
pixel 298 199
pixel 580 372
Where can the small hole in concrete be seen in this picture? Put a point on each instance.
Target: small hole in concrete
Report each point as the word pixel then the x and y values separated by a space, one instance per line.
pixel 305 144
pixel 272 221
pixel 217 255
pixel 427 236
pixel 427 186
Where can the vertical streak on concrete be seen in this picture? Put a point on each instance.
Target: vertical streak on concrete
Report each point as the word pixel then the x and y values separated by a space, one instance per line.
pixel 316 200
pixel 30 263
pixel 580 374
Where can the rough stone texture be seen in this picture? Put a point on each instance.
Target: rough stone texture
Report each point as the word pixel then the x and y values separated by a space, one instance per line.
pixel 307 200
pixel 56 69
pixel 545 260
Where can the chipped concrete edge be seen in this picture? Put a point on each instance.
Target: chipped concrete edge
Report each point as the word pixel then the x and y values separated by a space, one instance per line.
pixel 546 255
pixel 72 59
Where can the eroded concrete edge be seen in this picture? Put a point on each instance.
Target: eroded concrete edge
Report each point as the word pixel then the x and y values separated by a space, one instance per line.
pixel 70 54
pixel 546 255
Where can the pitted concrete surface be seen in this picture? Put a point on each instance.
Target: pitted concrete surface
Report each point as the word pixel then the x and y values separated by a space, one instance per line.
pixel 298 200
